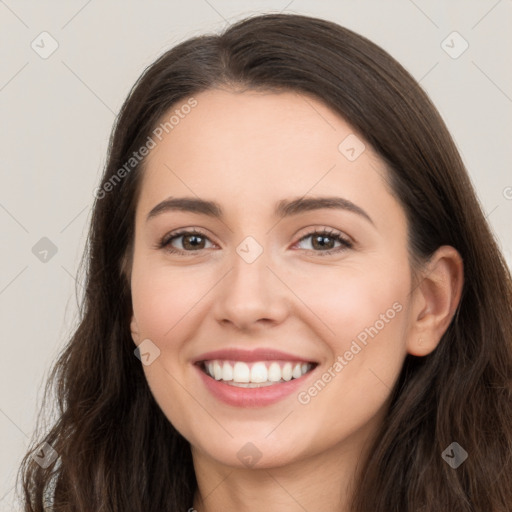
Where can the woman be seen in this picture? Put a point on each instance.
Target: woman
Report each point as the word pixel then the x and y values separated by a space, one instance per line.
pixel 293 298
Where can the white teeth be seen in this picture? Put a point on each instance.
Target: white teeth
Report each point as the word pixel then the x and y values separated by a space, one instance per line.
pixel 241 372
pixel 227 371
pixel 287 371
pixel 257 374
pixel 217 370
pixel 297 371
pixel 274 372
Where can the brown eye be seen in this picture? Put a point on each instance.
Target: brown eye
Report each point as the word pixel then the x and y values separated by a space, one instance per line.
pixel 322 242
pixel 191 241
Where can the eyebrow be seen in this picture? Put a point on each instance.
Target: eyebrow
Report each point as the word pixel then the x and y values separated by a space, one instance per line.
pixel 284 208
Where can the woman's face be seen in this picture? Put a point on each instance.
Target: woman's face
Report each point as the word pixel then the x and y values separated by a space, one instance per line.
pixel 299 308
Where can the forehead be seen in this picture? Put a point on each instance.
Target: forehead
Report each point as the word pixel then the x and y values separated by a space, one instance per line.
pixel 255 126
pixel 259 147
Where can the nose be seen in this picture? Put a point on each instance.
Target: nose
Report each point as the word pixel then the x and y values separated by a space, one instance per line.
pixel 252 295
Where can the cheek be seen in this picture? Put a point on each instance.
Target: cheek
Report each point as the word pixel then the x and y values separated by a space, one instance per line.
pixel 163 297
pixel 353 302
pixel 163 304
pixel 366 318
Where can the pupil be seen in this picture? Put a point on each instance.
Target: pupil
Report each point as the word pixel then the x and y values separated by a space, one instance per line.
pixel 195 239
pixel 322 240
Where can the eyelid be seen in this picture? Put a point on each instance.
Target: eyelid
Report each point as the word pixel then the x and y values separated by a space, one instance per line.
pixel 346 241
pixel 319 228
pixel 164 242
pixel 183 231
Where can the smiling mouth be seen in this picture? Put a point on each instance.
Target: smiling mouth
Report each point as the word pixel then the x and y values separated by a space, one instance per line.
pixel 255 374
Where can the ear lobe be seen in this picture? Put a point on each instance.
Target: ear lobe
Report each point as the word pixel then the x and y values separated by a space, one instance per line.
pixel 436 300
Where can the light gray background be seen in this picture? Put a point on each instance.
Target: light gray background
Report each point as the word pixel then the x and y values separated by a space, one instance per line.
pixel 56 115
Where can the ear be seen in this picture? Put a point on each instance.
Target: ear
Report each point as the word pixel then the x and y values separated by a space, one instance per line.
pixel 134 328
pixel 435 300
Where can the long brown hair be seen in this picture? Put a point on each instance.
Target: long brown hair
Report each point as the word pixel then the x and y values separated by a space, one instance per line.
pixel 116 449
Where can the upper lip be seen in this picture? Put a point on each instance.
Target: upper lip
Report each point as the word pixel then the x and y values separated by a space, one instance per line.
pixel 259 354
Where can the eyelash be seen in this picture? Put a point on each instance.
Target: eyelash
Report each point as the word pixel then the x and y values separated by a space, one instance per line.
pixel 164 243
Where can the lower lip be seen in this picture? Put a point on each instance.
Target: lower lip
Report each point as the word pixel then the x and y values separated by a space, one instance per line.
pixel 251 397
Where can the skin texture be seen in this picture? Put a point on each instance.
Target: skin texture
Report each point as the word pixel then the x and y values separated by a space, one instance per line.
pixel 248 150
